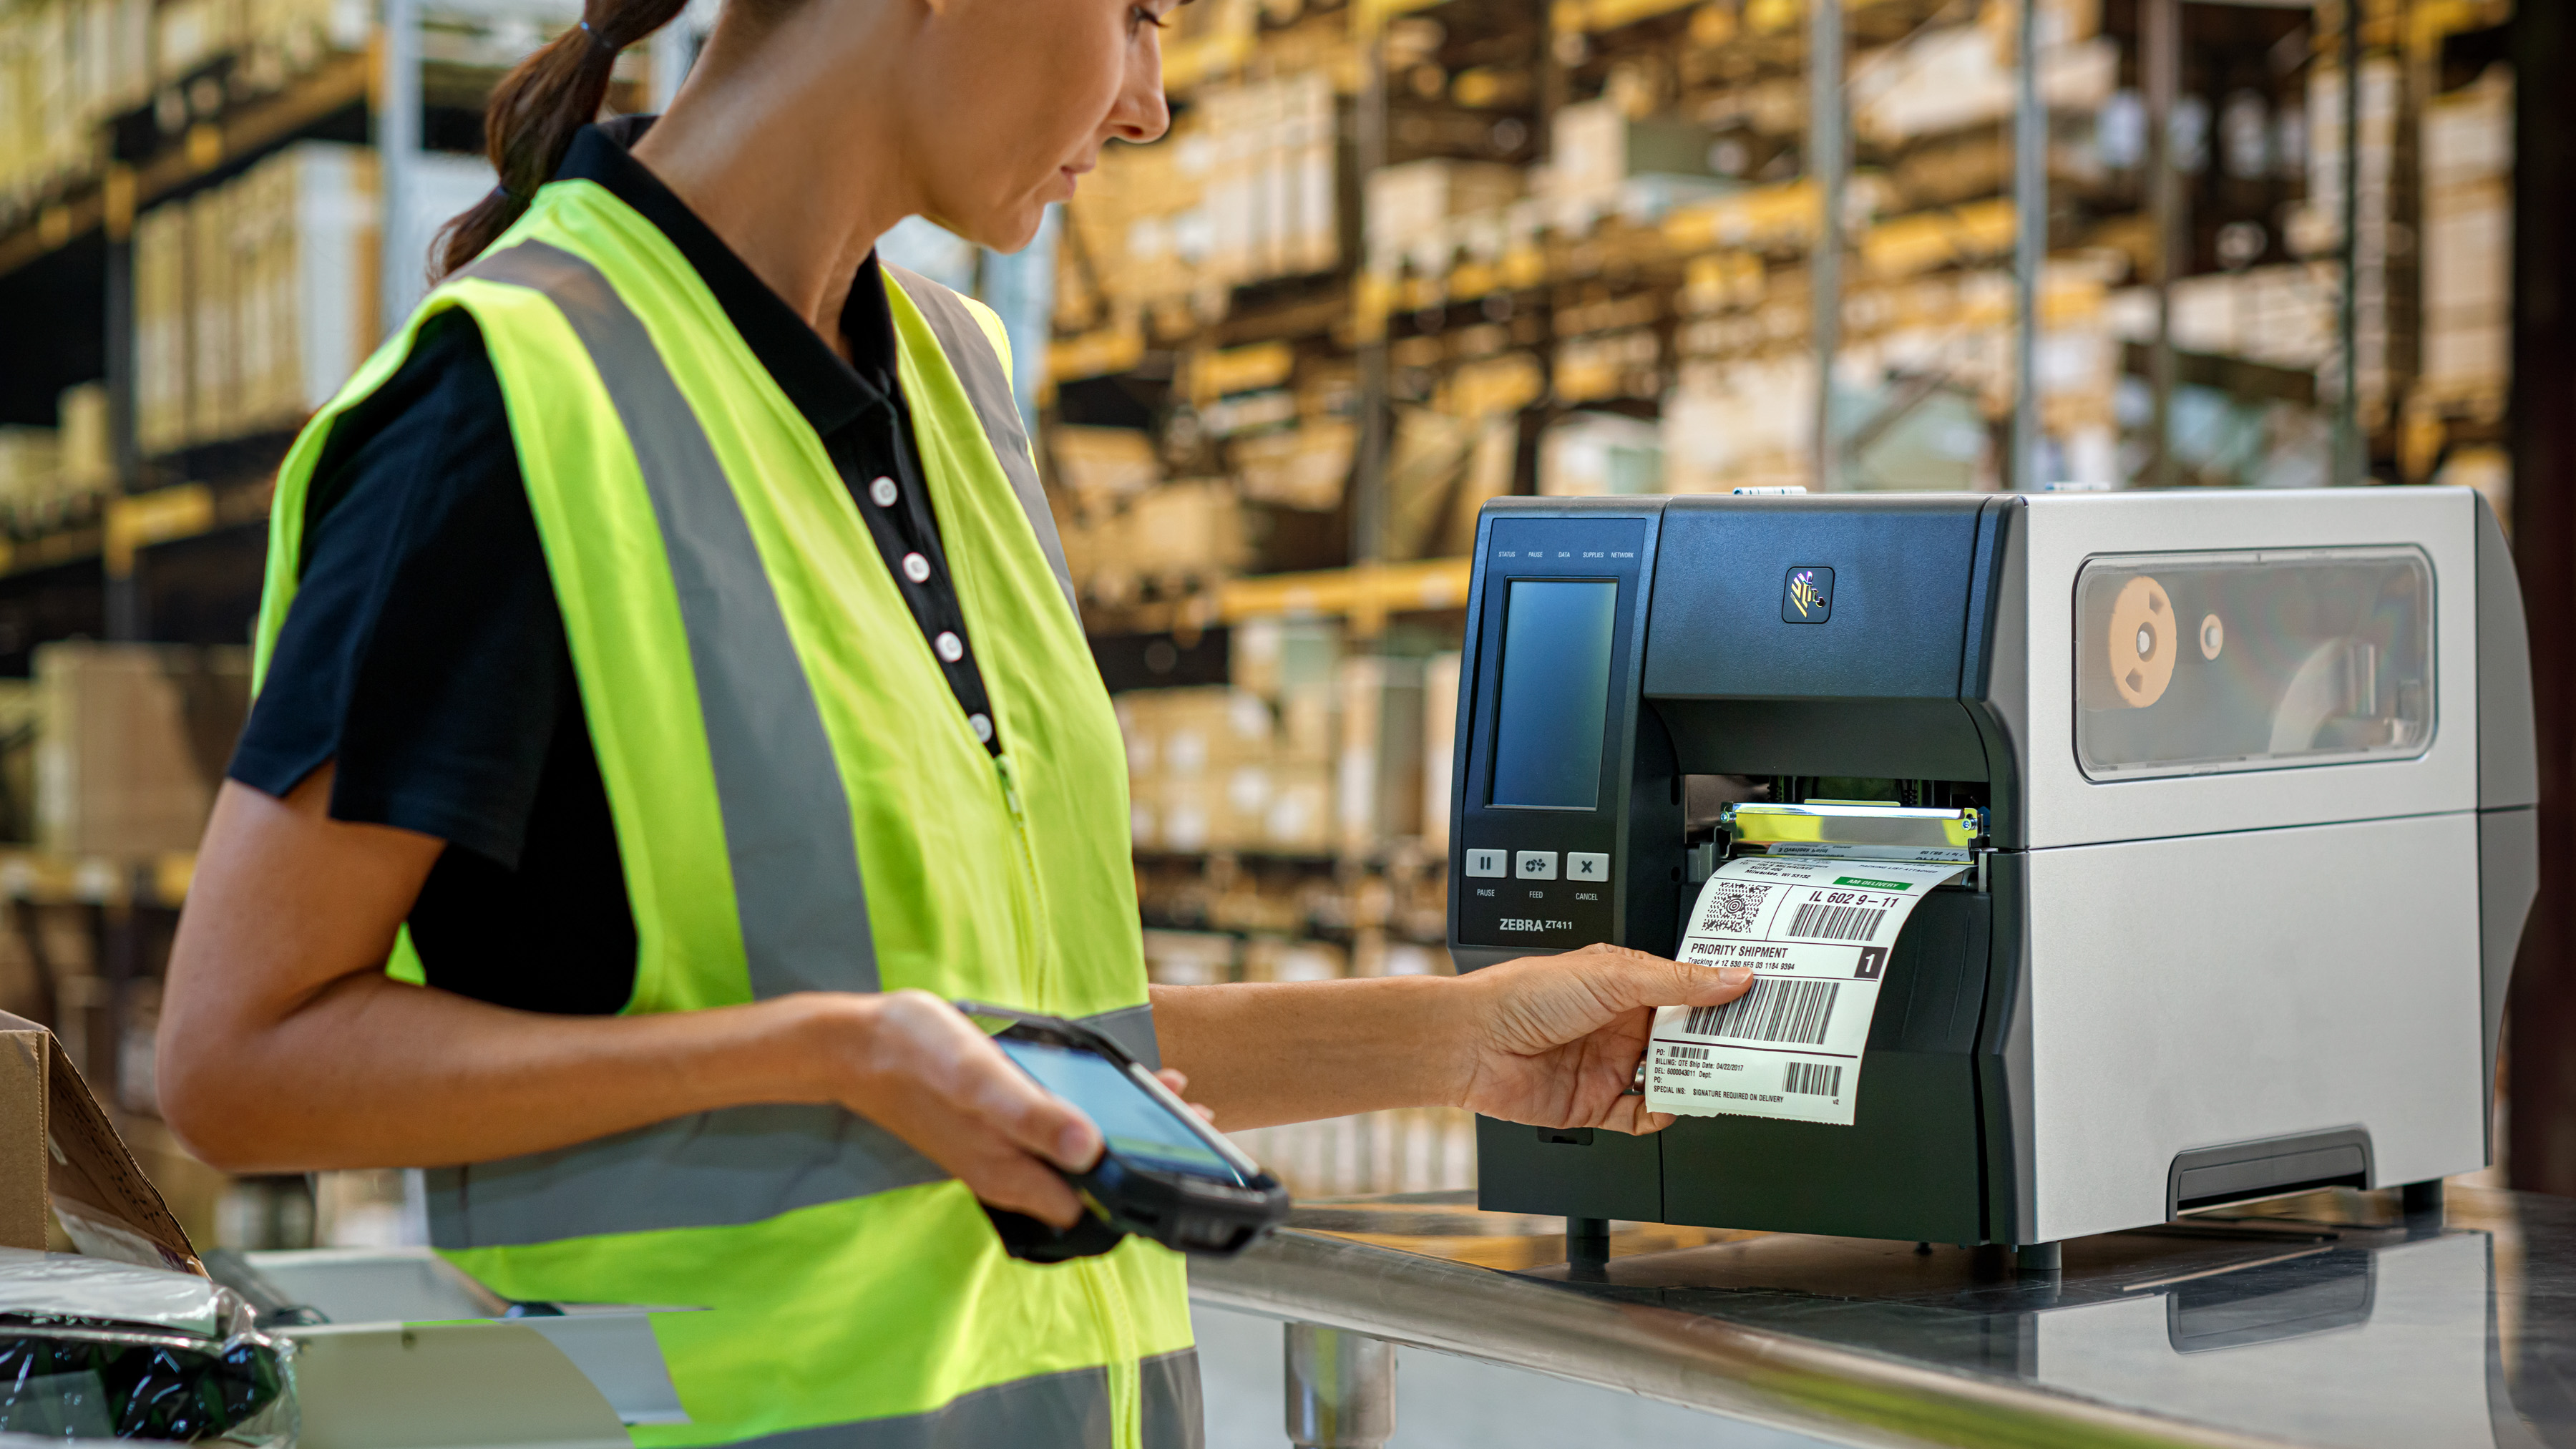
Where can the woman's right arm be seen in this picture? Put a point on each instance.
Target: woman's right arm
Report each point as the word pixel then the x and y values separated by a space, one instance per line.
pixel 285 1047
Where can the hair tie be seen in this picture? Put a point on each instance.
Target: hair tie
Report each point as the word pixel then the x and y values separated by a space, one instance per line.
pixel 504 192
pixel 597 40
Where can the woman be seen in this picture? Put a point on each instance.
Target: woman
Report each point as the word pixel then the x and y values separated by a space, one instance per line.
pixel 668 706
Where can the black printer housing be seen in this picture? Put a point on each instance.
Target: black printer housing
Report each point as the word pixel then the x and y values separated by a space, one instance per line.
pixel 1712 673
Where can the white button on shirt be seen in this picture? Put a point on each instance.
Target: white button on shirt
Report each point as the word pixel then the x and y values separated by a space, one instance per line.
pixel 882 493
pixel 950 647
pixel 983 724
pixel 916 568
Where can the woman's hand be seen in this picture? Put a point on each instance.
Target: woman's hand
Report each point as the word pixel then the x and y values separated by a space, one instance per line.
pixel 1555 1040
pixel 916 1066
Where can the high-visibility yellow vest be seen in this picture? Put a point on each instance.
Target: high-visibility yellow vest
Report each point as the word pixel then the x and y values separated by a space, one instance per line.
pixel 800 804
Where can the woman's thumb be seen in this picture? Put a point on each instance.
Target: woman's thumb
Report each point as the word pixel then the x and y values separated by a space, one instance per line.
pixel 1714 986
pixel 1657 982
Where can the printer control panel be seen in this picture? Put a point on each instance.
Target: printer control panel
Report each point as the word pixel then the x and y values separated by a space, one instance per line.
pixel 1534 860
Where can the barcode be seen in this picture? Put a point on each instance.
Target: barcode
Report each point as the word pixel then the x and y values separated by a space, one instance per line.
pixel 1813 1079
pixel 1820 922
pixel 1774 1010
pixel 1686 1054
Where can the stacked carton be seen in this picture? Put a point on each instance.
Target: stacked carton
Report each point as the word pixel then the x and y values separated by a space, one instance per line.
pixel 254 300
pixel 1184 534
pixel 44 471
pixel 1410 207
pixel 1244 188
pixel 1270 195
pixel 270 40
pixel 65 67
pixel 1209 770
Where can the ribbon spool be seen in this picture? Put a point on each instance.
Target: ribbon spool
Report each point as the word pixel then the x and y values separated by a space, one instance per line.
pixel 2143 642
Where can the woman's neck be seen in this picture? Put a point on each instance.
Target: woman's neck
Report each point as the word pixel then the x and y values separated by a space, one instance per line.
pixel 772 144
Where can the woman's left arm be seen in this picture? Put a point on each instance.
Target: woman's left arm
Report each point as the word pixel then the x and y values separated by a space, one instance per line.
pixel 1548 1040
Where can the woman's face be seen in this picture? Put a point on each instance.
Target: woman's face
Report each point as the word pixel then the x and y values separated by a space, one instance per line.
pixel 1012 100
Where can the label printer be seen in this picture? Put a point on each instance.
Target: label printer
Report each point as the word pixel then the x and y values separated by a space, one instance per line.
pixel 2247 779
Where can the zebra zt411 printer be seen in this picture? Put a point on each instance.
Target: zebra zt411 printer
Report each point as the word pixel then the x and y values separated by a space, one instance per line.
pixel 2246 778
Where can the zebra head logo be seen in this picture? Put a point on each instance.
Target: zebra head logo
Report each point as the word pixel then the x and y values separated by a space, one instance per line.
pixel 1809 595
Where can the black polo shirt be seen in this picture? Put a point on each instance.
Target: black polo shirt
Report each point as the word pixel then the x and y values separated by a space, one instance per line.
pixel 425 652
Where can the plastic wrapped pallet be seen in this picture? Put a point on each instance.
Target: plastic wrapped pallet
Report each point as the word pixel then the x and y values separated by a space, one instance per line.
pixel 2467 152
pixel 214 371
pixel 1378 773
pixel 163 325
pixel 307 314
pixel 1439 746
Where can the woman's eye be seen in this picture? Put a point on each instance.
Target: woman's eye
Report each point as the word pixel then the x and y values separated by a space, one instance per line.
pixel 1139 15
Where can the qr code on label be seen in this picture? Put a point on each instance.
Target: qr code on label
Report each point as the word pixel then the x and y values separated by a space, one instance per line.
pixel 1733 908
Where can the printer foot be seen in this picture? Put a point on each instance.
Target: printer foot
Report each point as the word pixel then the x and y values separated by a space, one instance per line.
pixel 1588 1241
pixel 2040 1258
pixel 2421 1197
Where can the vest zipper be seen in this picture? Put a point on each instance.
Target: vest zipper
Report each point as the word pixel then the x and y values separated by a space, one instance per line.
pixel 1109 1306
pixel 1028 899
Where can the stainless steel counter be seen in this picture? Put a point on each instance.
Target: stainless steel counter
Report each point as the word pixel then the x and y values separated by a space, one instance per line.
pixel 2329 1319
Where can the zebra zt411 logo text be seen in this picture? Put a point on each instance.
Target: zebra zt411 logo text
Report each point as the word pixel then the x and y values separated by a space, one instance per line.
pixel 1808 595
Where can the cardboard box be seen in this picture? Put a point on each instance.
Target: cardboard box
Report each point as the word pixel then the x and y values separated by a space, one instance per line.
pixel 132 742
pixel 1203 730
pixel 58 1149
pixel 1299 816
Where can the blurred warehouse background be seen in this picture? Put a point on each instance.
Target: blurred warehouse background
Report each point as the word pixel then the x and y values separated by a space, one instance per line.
pixel 1395 258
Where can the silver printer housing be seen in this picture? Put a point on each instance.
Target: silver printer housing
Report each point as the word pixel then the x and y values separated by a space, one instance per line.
pixel 2160 990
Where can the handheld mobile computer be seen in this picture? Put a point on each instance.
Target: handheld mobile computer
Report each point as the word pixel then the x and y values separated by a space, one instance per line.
pixel 1163 1174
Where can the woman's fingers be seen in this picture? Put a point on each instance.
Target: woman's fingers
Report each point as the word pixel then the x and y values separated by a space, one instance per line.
pixel 1629 1115
pixel 933 1079
pixel 1179 1082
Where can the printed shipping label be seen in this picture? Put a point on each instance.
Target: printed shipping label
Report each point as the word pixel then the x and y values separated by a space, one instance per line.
pixel 1817 934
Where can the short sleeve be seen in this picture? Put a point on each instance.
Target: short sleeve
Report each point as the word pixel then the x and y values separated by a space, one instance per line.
pixel 424 650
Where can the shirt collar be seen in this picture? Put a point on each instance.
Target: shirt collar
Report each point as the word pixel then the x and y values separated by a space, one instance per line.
pixel 829 393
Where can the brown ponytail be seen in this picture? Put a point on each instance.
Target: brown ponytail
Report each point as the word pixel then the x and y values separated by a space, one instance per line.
pixel 536 111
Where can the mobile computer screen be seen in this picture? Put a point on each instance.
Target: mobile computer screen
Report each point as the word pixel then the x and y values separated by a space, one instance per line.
pixel 1133 1119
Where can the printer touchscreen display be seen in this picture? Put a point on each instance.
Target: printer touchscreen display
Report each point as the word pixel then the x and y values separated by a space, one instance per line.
pixel 1555 693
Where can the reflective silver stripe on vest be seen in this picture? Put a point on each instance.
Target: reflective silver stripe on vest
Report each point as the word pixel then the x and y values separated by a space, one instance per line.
pixel 979 368
pixel 1068 1410
pixel 1175 1414
pixel 1131 1027
pixel 713 1169
pixel 803 910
